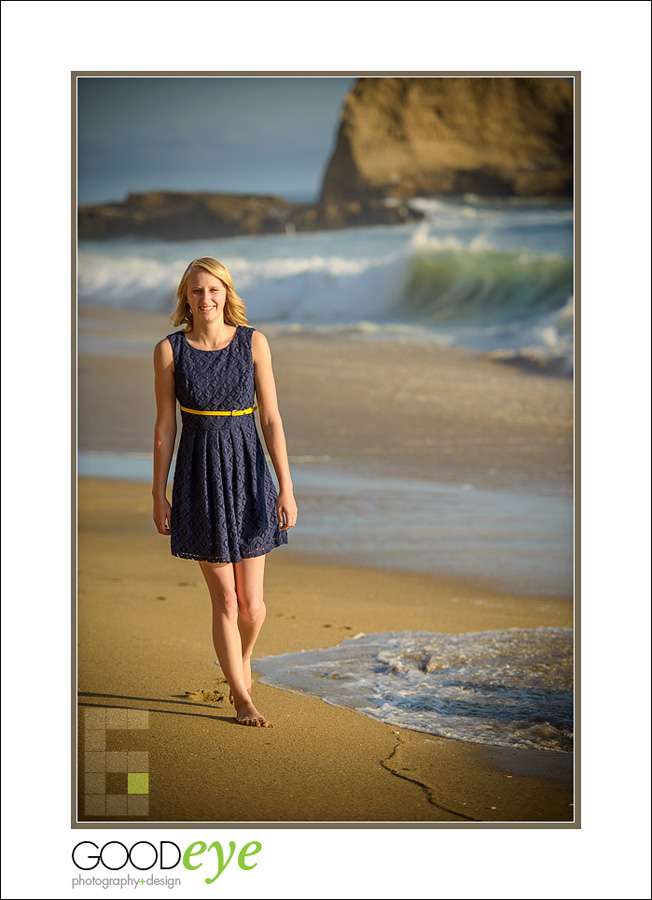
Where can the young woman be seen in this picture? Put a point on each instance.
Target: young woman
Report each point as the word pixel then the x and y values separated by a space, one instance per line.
pixel 225 512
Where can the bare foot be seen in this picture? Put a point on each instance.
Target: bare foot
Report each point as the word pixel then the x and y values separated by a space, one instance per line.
pixel 232 699
pixel 249 715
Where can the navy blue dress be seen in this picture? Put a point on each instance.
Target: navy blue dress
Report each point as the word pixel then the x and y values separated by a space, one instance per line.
pixel 223 496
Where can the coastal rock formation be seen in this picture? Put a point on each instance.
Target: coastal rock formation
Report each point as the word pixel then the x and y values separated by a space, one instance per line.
pixel 179 216
pixel 404 137
pixel 187 216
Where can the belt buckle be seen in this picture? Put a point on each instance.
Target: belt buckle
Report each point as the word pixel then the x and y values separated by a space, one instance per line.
pixel 237 412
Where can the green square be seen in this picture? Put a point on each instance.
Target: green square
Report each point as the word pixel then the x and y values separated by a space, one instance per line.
pixel 138 783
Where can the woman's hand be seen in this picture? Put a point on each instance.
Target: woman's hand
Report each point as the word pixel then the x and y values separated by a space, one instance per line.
pixel 286 508
pixel 162 515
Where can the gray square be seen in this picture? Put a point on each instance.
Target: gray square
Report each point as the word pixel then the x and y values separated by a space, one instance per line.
pixel 116 761
pixel 138 761
pixel 116 805
pixel 138 718
pixel 95 718
pixel 95 783
pixel 95 739
pixel 138 804
pixel 94 804
pixel 95 761
pixel 116 718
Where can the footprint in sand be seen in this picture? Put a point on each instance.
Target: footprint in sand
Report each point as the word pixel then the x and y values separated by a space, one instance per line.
pixel 205 696
pixel 186 584
pixel 161 598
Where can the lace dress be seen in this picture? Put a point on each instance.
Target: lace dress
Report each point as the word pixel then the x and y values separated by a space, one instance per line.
pixel 223 496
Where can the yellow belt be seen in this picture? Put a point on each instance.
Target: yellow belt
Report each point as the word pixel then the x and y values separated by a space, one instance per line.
pixel 220 412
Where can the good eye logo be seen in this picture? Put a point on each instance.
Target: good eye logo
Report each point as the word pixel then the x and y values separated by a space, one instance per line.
pixel 114 855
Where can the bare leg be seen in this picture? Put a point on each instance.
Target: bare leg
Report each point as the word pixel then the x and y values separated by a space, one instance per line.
pixel 227 639
pixel 249 576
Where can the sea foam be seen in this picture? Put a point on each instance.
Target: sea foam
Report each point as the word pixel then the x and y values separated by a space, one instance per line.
pixel 491 276
pixel 511 688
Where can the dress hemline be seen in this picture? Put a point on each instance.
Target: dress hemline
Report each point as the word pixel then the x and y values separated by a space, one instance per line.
pixel 221 559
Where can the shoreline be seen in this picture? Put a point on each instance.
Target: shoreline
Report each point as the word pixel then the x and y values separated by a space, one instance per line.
pixel 144 642
pixel 376 410
pixel 446 414
pixel 513 540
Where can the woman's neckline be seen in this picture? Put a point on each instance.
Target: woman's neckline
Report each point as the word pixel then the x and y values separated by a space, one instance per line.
pixel 219 349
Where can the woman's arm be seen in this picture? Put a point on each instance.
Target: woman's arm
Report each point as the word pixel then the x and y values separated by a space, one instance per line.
pixel 165 432
pixel 272 428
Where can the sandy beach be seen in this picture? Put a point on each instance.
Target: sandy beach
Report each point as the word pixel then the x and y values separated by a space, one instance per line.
pixel 144 616
pixel 408 409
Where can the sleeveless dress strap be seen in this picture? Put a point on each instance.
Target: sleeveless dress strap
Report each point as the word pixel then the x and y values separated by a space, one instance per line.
pixel 174 339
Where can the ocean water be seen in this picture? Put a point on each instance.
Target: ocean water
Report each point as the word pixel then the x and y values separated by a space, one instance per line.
pixel 494 275
pixel 510 688
pixel 521 541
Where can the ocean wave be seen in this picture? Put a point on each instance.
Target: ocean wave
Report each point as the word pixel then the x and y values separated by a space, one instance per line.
pixel 450 279
pixel 511 688
pixel 450 282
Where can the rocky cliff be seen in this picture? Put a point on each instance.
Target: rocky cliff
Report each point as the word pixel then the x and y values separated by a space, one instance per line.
pixel 398 138
pixel 403 137
pixel 187 216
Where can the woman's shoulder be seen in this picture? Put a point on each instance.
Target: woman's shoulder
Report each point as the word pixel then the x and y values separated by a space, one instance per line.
pixel 257 337
pixel 171 339
pixel 252 335
pixel 259 345
pixel 165 348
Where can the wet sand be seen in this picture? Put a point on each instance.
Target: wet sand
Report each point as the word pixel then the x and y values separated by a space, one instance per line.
pixel 385 408
pixel 413 411
pixel 144 643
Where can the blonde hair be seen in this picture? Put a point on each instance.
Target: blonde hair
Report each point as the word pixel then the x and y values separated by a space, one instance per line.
pixel 234 308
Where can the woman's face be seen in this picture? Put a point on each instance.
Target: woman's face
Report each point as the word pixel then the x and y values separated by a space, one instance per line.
pixel 206 296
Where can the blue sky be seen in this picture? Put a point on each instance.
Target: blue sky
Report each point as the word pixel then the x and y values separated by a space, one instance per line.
pixel 231 134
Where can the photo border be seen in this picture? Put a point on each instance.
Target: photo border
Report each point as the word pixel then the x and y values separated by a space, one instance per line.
pixel 142 825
